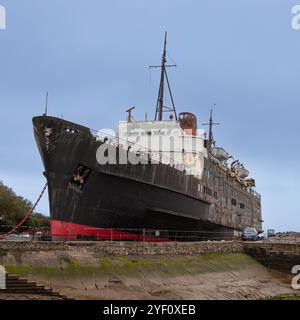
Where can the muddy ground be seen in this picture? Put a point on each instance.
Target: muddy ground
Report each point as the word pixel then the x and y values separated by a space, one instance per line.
pixel 205 276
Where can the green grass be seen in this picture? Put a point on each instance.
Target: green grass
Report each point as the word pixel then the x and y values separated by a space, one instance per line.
pixel 168 266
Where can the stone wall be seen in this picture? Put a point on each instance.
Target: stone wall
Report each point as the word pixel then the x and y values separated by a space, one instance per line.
pixel 279 256
pixel 124 248
pixel 59 254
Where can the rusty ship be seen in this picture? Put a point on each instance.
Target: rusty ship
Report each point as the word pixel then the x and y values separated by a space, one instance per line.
pixel 178 184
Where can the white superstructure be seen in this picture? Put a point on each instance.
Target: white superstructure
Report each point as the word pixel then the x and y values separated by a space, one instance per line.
pixel 173 145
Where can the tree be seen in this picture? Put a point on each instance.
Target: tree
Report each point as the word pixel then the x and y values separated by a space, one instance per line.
pixel 13 208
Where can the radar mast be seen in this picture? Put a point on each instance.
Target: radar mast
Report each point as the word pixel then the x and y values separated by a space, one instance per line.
pixel 160 108
pixel 210 124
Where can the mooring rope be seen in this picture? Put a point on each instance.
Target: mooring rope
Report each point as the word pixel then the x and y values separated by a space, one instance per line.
pixel 27 215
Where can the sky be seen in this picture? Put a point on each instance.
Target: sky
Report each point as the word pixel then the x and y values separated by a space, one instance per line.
pixel 93 57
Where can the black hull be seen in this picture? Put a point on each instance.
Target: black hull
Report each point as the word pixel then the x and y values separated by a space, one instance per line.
pixel 149 196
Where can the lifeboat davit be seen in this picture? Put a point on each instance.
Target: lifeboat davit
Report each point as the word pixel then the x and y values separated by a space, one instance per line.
pixel 242 173
pixel 220 154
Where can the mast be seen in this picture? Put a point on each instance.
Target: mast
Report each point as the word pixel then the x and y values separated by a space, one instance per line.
pixel 160 100
pixel 130 117
pixel 210 134
pixel 46 105
pixel 160 108
pixel 210 124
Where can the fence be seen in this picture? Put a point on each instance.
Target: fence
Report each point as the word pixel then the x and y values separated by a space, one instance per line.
pixel 108 234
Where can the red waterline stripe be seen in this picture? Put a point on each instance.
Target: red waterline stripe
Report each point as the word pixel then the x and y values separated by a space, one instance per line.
pixel 73 230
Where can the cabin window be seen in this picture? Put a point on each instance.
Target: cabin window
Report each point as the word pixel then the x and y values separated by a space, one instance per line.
pixel 200 187
pixel 207 173
pixel 207 191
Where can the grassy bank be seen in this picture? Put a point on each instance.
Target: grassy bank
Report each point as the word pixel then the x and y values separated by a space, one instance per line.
pixel 169 266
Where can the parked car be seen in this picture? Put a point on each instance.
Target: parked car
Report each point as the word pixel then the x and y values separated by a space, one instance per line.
pixel 261 236
pixel 250 234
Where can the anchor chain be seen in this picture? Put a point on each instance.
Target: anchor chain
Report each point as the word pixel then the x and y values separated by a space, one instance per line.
pixel 26 217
